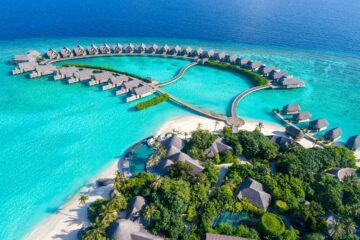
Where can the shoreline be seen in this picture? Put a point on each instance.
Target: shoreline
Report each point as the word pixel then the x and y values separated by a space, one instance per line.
pixel 71 217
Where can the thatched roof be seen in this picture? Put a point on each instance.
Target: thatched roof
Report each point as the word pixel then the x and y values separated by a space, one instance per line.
pixel 318 124
pixel 341 173
pixel 217 147
pixel 353 142
pixel 333 134
pixel 253 191
pixel 173 141
pixel 291 108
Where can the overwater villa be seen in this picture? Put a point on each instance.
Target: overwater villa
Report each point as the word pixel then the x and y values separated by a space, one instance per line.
pixel 186 51
pixel 219 56
pixel 197 52
pixel 208 54
pixel 65 72
pixel 319 124
pixel 129 48
pixel 25 67
pixel 79 76
pixel 294 132
pixel 232 59
pixel 302 117
pixel 175 50
pixel 141 48
pixel 128 85
pixel 244 62
pixel 117 48
pixel 217 147
pixel 52 54
pixel 99 78
pixel 265 71
pixel 115 81
pixel 153 49
pixel 254 66
pixel 333 134
pixel 291 109
pixel 253 191
pixel 105 49
pixel 353 143
pixel 278 75
pixel 164 49
pixel 140 92
pixel 31 56
pixel 43 70
pixel 79 51
pixel 283 142
pixel 66 52
pixel 92 50
pixel 341 173
pixel 291 82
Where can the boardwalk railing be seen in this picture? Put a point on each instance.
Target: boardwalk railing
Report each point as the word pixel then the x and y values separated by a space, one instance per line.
pixel 179 75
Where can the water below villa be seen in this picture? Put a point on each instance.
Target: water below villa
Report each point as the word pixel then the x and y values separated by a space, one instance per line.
pixel 56 137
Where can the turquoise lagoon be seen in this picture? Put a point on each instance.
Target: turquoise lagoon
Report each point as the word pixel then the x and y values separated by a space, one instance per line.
pixel 56 137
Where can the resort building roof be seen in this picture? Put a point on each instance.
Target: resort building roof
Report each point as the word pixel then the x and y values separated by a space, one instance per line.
pixel 244 62
pixel 67 71
pixel 173 141
pixel 283 142
pixel 66 52
pixel 208 54
pixel 254 65
pixel 27 66
pixel 105 49
pixel 217 147
pixel 153 48
pixel 186 51
pixel 102 77
pixel 129 48
pixel 212 236
pixel 124 229
pixel 117 48
pixel 118 80
pixel 183 157
pixel 277 75
pixel 142 90
pixel 52 54
pixel 141 48
pixel 175 50
pixel 333 134
pixel 341 173
pixel 79 51
pixel 232 59
pixel 291 109
pixel 136 207
pixel 253 191
pixel 132 83
pixel 220 56
pixel 319 124
pixel 198 52
pixel 92 50
pixel 29 57
pixel 290 82
pixel 353 142
pixel 45 69
pixel 266 70
pixel 302 116
pixel 164 49
pixel 294 132
pixel 83 74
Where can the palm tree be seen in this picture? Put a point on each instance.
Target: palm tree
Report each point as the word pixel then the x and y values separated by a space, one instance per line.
pixel 338 231
pixel 157 183
pixel 149 211
pixel 83 199
pixel 216 124
pixel 260 126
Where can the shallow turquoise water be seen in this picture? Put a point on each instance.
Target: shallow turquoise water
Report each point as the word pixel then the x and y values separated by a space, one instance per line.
pixel 139 158
pixel 56 137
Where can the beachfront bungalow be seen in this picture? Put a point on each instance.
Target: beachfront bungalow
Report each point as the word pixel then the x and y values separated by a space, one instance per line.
pixel 208 54
pixel 117 48
pixel 253 191
pixel 217 147
pixel 52 54
pixel 291 109
pixel 140 92
pixel 184 158
pixel 128 85
pixel 105 49
pixel 283 142
pixel 79 51
pixel 115 81
pixel 353 143
pixel 319 124
pixel 129 48
pixel 164 49
pixel 175 50
pixel 244 62
pixel 220 56
pixel 136 208
pixel 213 236
pixel 99 78
pixel 79 76
pixel 276 75
pixel 197 52
pixel 125 229
pixel 173 141
pixel 302 117
pixel 341 173
pixel 254 66
pixel 333 134
pixel 66 52
pixel 294 132
pixel 265 71
pixel 153 49
pixel 141 48
pixel 291 82
pixel 65 72
pixel 43 70
pixel 25 67
pixel 92 50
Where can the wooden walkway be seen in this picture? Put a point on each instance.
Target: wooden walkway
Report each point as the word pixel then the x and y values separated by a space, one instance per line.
pixel 178 76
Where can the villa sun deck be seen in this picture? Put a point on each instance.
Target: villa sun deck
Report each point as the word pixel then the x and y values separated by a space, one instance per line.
pixel 140 92
pixel 43 70
pixel 99 78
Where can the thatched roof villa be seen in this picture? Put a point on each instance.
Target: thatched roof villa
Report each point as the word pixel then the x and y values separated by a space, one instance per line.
pixel 52 54
pixel 105 49
pixel 79 51
pixel 92 50
pixel 129 48
pixel 253 191
pixel 333 134
pixel 302 117
pixel 66 52
pixel 294 132
pixel 353 143
pixel 117 48
pixel 217 147
pixel 319 124
pixel 291 109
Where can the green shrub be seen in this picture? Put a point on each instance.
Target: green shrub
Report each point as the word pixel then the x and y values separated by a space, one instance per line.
pixel 95 208
pixel 272 225
pixel 314 236
pixel 282 206
pixel 151 102
pixel 254 77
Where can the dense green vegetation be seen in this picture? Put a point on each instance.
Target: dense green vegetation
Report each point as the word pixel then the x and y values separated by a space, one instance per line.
pixel 151 102
pixel 256 78
pixel 302 194
pixel 106 69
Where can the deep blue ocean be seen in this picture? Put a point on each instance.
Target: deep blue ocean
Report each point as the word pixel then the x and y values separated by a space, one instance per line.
pixel 55 137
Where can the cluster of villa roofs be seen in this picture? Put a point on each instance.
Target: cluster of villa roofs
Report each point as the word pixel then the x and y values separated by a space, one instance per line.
pixel 320 124
pixel 29 62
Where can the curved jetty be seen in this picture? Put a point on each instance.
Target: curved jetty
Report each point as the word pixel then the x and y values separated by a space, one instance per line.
pixel 179 75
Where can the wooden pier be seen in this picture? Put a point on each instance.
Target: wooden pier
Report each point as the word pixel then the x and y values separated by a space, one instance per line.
pixel 178 76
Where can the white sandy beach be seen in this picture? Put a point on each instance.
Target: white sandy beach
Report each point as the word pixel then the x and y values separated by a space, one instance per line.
pixel 72 216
